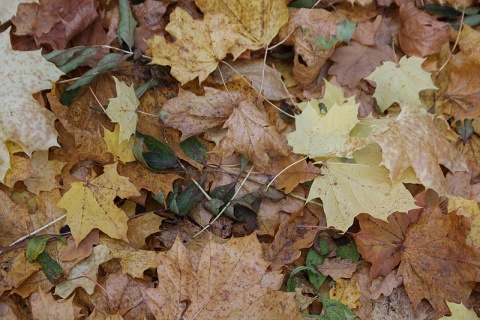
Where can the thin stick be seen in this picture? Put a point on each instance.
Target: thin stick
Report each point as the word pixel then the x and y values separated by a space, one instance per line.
pixel 454 46
pixel 285 169
pixel 226 206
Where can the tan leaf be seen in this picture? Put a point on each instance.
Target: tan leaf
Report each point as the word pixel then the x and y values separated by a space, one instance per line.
pixel 141 227
pixel 224 285
pixel 44 306
pixel 198 45
pixel 421 34
pixel 194 114
pixel 412 140
pixel 338 268
pixel 257 22
pixel 249 133
pixel 289 240
pixel 24 122
pixel 294 175
pixel 44 172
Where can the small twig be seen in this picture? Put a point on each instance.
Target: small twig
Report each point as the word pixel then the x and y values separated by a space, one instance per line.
pixel 285 169
pixel 454 46
pixel 226 206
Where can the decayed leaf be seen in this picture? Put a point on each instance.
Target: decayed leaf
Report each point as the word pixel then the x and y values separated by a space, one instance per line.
pixel 122 110
pixel 338 268
pixel 198 45
pixel 412 140
pixel 257 22
pixel 380 241
pixel 326 135
pixel 224 285
pixel 350 189
pixel 120 149
pixel 347 292
pixel 294 175
pixel 258 72
pixel 249 133
pixel 460 99
pixel 421 34
pixel 288 242
pixel 88 268
pixel 194 114
pixel 436 263
pixel 24 121
pixel 90 205
pixel 400 82
pixel 44 306
pixel 459 311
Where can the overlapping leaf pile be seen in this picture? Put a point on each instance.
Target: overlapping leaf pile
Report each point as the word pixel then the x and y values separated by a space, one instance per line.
pixel 314 170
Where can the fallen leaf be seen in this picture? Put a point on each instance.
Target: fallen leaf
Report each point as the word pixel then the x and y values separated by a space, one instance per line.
pixel 346 292
pixel 198 45
pixel 349 189
pixel 10 8
pixel 43 173
pixel 225 284
pixel 122 110
pixel 289 240
pixel 326 135
pixel 380 242
pixel 400 82
pixel 459 311
pixel 337 268
pixel 192 114
pixel 421 34
pixel 24 122
pixel 81 275
pixel 120 149
pixel 90 205
pixel 256 22
pixel 141 227
pixel 44 306
pixel 249 133
pixel 413 129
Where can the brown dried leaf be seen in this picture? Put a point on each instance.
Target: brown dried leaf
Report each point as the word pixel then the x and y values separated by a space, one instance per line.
pixel 338 268
pixel 294 175
pixel 224 285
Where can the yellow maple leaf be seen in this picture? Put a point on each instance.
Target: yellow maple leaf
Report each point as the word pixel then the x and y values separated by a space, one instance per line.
pixel 348 189
pixel 90 205
pixel 326 135
pixel 459 311
pixel 198 45
pixel 23 120
pixel 400 82
pixel 347 292
pixel 120 149
pixel 257 21
pixel 122 110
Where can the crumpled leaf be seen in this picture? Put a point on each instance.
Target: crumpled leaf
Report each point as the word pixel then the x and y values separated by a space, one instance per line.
pixel 421 34
pixel 400 82
pixel 225 284
pixel 412 140
pixel 349 189
pixel 326 135
pixel 256 22
pixel 90 205
pixel 198 45
pixel 122 110
pixel 24 121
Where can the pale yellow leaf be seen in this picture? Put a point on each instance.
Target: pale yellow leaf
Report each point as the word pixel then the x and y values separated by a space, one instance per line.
pixel 198 45
pixel 326 135
pixel 23 120
pixel 120 149
pixel 122 110
pixel 350 189
pixel 256 21
pixel 90 205
pixel 459 311
pixel 400 82
pixel 88 268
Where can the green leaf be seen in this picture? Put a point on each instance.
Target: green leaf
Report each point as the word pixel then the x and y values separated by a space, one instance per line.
pixel 108 62
pixel 127 24
pixel 60 57
pixel 313 260
pixel 189 197
pixel 194 149
pixel 290 283
pixel 35 247
pixel 53 271
pixel 348 251
pixel 323 247
pixel 159 156
pixel 336 310
pixel 302 4
pixel 153 82
pixel 440 10
pixel 82 57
